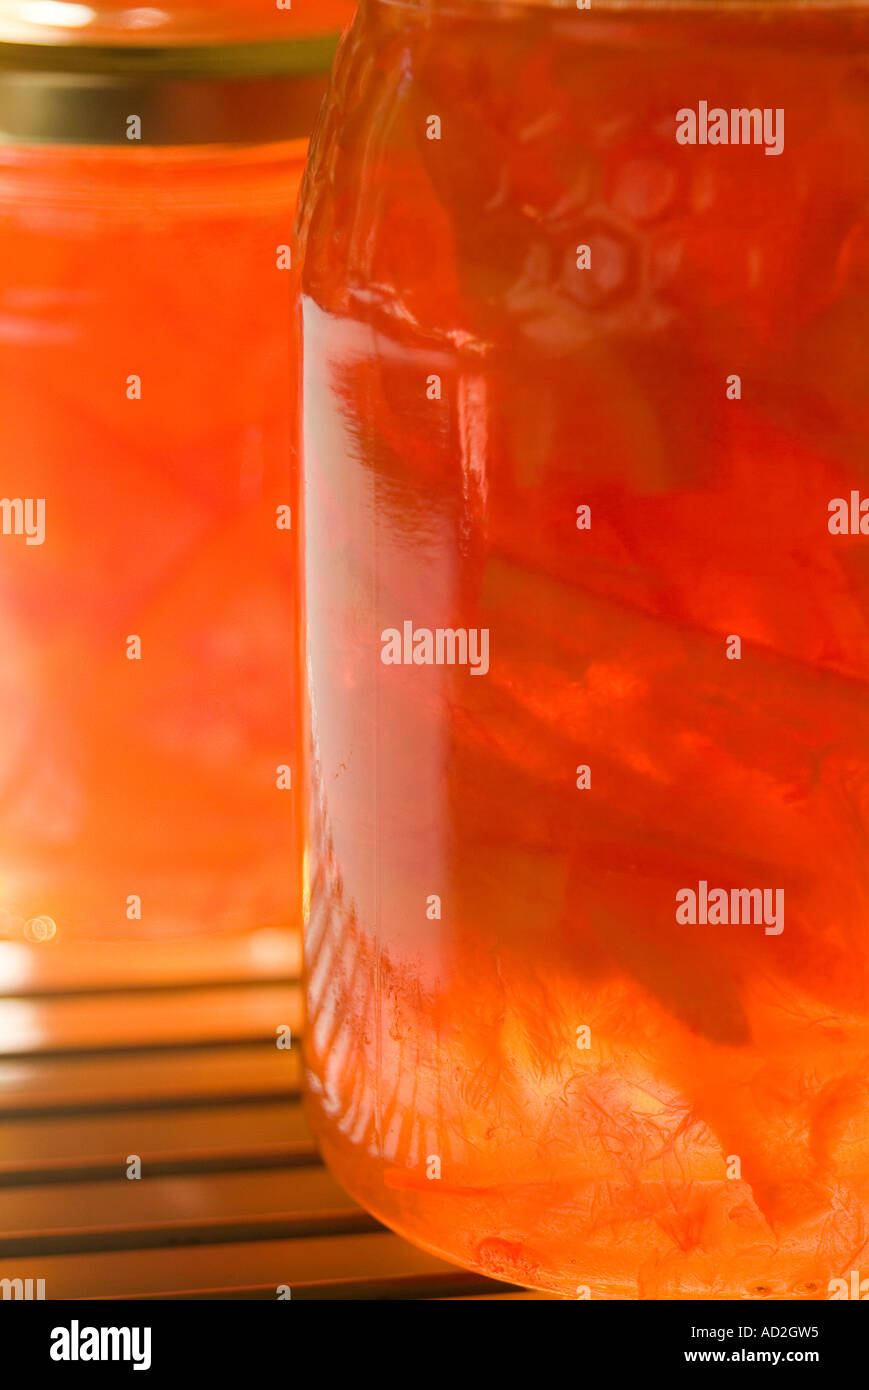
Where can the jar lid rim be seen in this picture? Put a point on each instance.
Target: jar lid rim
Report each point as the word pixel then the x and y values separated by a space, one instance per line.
pixel 193 95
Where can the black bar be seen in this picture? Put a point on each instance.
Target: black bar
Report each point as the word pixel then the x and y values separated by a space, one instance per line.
pixel 602 1339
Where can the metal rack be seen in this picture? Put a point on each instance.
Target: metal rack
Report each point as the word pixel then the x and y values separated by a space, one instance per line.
pixel 168 1052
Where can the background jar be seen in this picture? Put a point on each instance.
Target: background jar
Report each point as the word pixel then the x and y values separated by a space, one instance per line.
pixel 149 164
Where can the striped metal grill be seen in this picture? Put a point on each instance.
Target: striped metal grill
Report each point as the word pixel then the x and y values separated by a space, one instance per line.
pixel 168 1052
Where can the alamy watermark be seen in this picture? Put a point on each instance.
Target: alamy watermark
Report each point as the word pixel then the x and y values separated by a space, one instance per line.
pixel 23 516
pixel 77 1343
pixel 853 1289
pixel 440 646
pixel 740 906
pixel 740 125
pixel 25 1289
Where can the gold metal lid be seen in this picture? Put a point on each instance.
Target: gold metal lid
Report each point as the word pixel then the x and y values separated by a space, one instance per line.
pixel 182 95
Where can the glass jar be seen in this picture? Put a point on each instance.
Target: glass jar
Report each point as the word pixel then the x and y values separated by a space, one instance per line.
pixel 585 303
pixel 148 564
pixel 168 21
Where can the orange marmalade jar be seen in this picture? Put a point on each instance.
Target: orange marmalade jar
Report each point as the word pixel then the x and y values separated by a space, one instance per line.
pixel 170 22
pixel 149 164
pixel 585 313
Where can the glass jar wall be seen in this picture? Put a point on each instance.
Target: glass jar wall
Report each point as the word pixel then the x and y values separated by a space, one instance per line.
pixel 584 401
